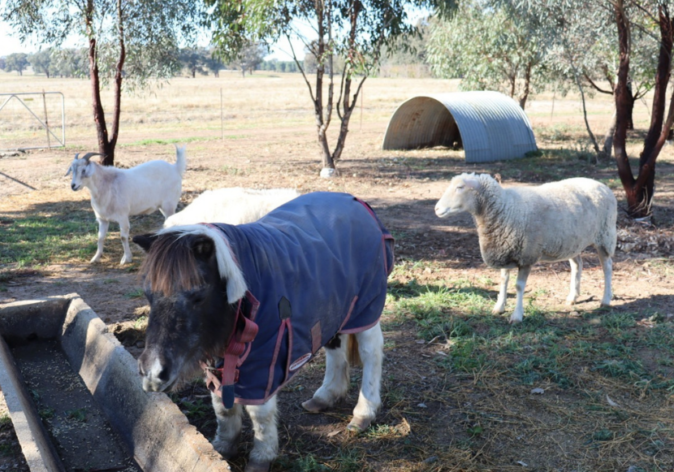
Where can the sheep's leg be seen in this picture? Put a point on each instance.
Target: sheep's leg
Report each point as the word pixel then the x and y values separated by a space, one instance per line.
pixel 265 442
pixel 102 232
pixel 229 427
pixel 522 275
pixel 576 271
pixel 503 293
pixel 124 228
pixel 336 380
pixel 370 348
pixel 607 266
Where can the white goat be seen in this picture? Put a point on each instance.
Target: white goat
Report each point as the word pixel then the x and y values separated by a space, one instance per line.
pixel 233 206
pixel 520 226
pixel 117 194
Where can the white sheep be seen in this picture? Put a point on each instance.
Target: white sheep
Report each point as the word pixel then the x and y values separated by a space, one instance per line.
pixel 233 206
pixel 117 194
pixel 518 227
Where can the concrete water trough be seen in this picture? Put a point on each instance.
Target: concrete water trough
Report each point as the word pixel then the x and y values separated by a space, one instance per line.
pixel 75 397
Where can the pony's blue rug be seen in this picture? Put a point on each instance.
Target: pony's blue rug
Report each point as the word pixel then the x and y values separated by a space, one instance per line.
pixel 314 267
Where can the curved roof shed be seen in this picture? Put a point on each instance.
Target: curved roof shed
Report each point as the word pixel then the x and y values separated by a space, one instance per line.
pixel 489 126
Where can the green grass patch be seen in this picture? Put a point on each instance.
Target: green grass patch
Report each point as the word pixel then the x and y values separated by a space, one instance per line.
pixel 40 238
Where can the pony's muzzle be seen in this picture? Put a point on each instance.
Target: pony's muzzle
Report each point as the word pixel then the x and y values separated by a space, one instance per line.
pixel 154 372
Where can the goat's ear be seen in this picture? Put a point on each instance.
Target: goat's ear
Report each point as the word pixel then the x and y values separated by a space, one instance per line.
pixel 70 169
pixel 203 247
pixel 145 240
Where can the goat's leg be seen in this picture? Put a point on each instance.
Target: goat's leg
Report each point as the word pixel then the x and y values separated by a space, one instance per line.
pixel 336 380
pixel 168 208
pixel 124 228
pixel 229 427
pixel 522 275
pixel 607 266
pixel 265 442
pixel 503 293
pixel 576 272
pixel 102 232
pixel 371 350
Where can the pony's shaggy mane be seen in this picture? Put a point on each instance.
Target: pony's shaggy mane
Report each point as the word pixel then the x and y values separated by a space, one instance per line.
pixel 171 266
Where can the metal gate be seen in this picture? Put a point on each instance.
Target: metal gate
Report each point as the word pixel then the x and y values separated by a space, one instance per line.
pixel 45 124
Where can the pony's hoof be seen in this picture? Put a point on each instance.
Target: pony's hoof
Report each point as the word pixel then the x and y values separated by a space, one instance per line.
pixel 315 405
pixel 358 425
pixel 253 466
pixel 228 450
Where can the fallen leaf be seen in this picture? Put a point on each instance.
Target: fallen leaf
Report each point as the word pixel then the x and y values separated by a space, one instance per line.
pixel 611 402
pixel 537 391
pixel 523 464
pixel 334 433
pixel 422 405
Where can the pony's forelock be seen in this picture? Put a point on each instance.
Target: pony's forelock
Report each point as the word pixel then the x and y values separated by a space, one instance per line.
pixel 227 266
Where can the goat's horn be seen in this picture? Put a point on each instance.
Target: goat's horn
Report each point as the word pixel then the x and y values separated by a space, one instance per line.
pixel 89 155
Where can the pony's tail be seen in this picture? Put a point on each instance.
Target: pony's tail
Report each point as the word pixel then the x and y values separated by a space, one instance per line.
pixel 352 354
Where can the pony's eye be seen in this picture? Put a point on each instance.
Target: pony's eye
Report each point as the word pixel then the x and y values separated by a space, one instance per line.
pixel 197 296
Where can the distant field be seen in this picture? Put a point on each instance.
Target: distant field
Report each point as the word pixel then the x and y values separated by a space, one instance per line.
pixel 191 107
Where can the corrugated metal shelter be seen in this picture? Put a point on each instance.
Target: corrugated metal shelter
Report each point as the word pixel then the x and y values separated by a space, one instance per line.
pixel 489 126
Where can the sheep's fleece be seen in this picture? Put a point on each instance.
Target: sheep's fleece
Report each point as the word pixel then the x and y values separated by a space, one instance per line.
pixel 234 206
pixel 520 226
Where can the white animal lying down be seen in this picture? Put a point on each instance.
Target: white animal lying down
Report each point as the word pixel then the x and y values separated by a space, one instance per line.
pixel 520 226
pixel 117 194
pixel 233 206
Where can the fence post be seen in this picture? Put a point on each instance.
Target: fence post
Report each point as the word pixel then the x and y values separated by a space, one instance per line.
pixel 46 120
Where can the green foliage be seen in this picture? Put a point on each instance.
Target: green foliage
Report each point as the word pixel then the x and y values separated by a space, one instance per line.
pixel 40 62
pixel 489 48
pixel 16 62
pixel 355 31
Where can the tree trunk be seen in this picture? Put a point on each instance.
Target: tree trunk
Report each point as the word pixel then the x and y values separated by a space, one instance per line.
pixel 99 114
pixel 608 139
pixel 109 159
pixel 639 191
pixel 630 106
pixel 527 86
pixel 587 123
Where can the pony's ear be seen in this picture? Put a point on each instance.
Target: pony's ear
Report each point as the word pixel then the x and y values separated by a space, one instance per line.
pixel 203 247
pixel 145 240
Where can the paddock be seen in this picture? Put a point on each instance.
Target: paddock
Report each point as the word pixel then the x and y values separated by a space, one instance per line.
pixel 459 384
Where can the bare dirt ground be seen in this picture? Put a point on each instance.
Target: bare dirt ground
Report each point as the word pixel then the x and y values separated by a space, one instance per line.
pixel 430 414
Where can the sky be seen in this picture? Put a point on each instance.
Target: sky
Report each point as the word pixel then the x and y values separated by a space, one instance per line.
pixel 10 44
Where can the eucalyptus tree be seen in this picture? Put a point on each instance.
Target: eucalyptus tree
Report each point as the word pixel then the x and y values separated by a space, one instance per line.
pixel 490 46
pixel 128 41
pixel 636 28
pixel 355 30
pixel 17 61
pixel 41 61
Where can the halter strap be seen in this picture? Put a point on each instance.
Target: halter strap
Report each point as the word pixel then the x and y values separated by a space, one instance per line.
pixel 221 377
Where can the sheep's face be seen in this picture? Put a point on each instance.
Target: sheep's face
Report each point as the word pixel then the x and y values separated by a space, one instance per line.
pixel 461 195
pixel 81 169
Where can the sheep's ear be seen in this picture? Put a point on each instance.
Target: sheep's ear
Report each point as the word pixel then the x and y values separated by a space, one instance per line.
pixel 471 181
pixel 145 240
pixel 203 247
